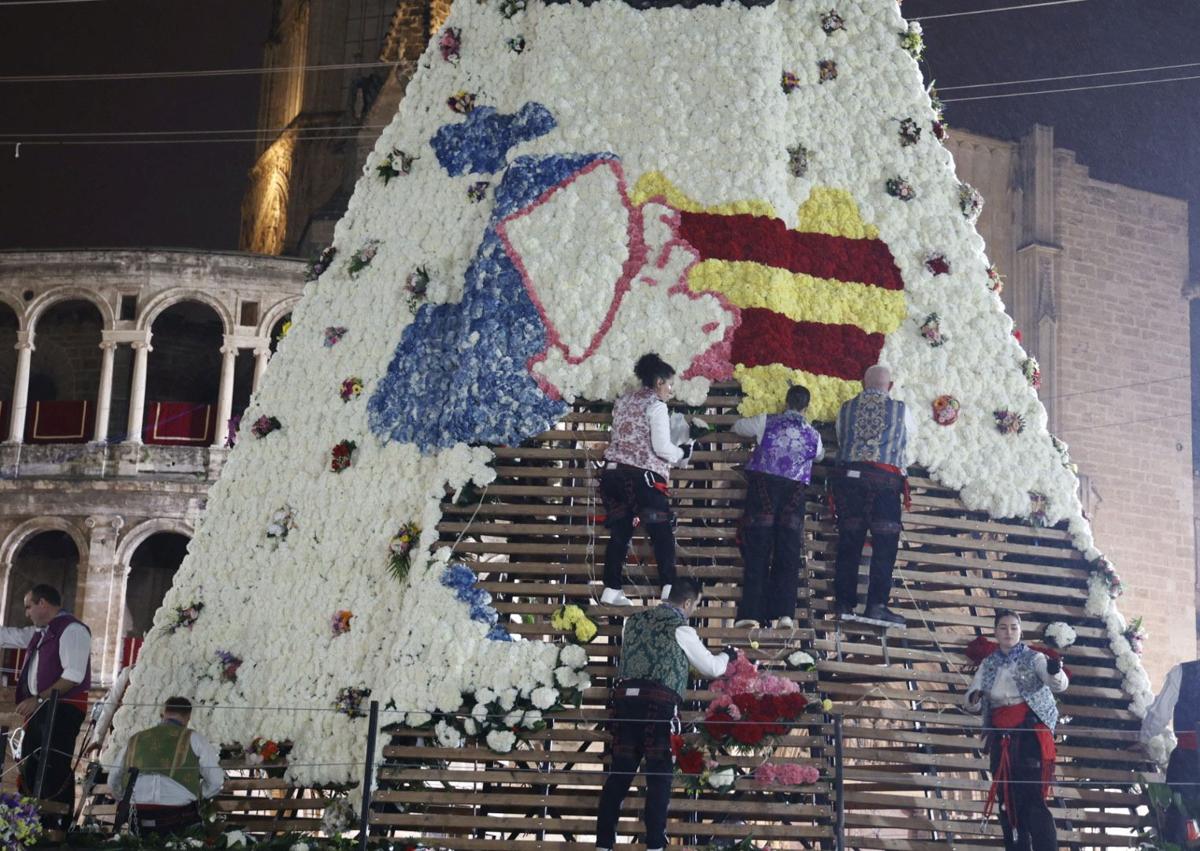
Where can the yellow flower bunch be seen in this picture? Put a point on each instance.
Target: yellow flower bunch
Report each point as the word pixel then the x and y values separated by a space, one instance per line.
pixel 570 618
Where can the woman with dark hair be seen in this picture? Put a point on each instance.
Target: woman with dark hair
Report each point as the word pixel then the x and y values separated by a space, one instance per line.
pixel 634 482
pixel 1014 688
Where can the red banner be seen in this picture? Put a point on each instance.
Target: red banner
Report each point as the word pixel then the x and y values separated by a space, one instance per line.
pixel 179 424
pixel 64 421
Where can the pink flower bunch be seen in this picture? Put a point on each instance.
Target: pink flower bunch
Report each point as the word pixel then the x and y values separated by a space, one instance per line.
pixel 743 677
pixel 785 774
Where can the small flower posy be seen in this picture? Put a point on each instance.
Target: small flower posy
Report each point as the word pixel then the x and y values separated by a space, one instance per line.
pixel 333 335
pixel 317 267
pixel 937 264
pixel 362 258
pixel 913 40
pixel 229 666
pixel 395 164
pixel 510 8
pixel 462 102
pixel 1009 422
pixel 995 281
pixel 831 22
pixel 351 388
pixel 417 283
pixel 970 202
pixel 790 82
pixel 186 616
pixel 572 620
pixel 798 160
pixel 350 701
pixel 264 425
pixel 1032 371
pixel 900 188
pixel 931 330
pixel 339 624
pixel 263 750
pixel 450 44
pixel 1059 635
pixel 516 44
pixel 400 550
pixel 283 520
pixel 342 455
pixel 1136 635
pixel 477 191
pixel 827 70
pixel 910 132
pixel 945 410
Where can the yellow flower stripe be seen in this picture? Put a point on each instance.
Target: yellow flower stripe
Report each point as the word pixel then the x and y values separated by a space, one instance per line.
pixel 833 211
pixel 801 298
pixel 765 387
pixel 655 184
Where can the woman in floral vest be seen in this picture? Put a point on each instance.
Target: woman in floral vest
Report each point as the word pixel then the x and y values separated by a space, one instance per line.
pixel 1014 689
pixel 634 482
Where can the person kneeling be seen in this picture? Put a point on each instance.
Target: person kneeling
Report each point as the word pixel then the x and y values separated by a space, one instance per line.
pixel 176 768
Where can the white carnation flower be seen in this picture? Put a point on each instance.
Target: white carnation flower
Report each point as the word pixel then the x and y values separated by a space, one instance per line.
pixel 417 719
pixel 470 727
pixel 501 741
pixel 513 719
pixel 448 736
pixel 508 699
pixel 532 718
pixel 1060 635
pixel 565 677
pixel 573 656
pixel 484 695
pixel 544 697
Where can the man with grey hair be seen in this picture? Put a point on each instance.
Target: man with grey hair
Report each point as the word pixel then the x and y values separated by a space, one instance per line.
pixel 873 430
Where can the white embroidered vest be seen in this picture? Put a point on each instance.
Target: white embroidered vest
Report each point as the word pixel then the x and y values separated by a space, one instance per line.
pixel 630 443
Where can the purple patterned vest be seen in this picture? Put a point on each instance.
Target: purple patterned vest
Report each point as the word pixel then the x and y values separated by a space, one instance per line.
pixel 49 670
pixel 787 449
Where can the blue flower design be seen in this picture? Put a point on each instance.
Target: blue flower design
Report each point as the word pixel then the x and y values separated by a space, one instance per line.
pixel 459 373
pixel 480 145
pixel 479 602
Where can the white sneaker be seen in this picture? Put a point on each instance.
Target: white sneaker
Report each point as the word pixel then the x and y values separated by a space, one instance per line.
pixel 666 592
pixel 614 597
pixel 745 623
pixel 785 623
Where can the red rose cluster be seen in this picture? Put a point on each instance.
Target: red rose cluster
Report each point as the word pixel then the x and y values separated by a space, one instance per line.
pixel 750 719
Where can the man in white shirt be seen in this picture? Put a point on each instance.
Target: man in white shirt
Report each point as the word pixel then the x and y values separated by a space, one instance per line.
pixel 58 659
pixel 176 768
pixel 657 649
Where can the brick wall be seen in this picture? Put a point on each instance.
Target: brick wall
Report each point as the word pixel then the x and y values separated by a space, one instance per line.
pixel 1124 392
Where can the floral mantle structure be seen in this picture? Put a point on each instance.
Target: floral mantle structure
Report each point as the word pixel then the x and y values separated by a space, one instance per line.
pixel 543 210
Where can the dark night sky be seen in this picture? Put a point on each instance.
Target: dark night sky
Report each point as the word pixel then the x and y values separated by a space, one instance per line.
pixel 189 194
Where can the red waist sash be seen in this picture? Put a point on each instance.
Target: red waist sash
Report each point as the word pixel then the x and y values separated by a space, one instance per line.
pixel 1187 740
pixel 1013 717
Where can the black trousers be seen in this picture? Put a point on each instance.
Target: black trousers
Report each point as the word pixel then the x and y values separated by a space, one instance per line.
pixel 868 501
pixel 59 783
pixel 626 493
pixel 1183 773
pixel 167 821
pixel 772 533
pixel 1022 799
pixel 641 732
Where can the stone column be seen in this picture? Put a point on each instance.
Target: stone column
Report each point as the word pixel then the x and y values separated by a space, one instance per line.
pixel 225 394
pixel 20 398
pixel 261 356
pixel 137 393
pixel 101 604
pixel 104 398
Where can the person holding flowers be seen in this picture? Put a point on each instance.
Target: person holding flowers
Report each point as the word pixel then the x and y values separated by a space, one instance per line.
pixel 772 527
pixel 1014 689
pixel 634 482
pixel 657 648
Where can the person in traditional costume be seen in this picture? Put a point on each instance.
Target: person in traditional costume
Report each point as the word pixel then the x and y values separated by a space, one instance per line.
pixel 58 650
pixel 177 767
pixel 1014 688
pixel 1178 704
pixel 657 649
pixel 867 485
pixel 772 527
pixel 637 467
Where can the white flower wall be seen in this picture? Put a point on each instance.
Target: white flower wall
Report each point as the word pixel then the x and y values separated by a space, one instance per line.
pixel 565 187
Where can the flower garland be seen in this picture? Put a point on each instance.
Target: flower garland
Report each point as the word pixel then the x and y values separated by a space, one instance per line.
pixel 342 456
pixel 186 616
pixel 400 550
pixel 264 425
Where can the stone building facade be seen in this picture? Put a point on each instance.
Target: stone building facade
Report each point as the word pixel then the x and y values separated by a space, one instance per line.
pixel 105 512
pixel 1097 284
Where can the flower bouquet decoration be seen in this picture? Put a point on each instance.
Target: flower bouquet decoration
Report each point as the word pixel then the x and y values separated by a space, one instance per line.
pixel 417 286
pixel 20 825
pixel 462 102
pixel 350 701
pixel 400 550
pixel 283 520
pixel 362 258
pixel 910 132
pixel 339 624
pixel 185 617
pixel 913 41
pixel 831 22
pixel 698 770
pixel 1032 371
pixel 395 164
pixel 333 335
pixel 477 191
pixel 450 44
pixel 1059 635
pixel 264 751
pixel 1009 422
pixel 790 82
pixel 931 330
pixel 338 817
pixel 342 456
pixel 945 410
pixel 900 188
pixel 1136 635
pixel 798 160
pixel 264 425
pixel 995 281
pixel 317 267
pixel 229 665
pixel 970 202
pixel 827 70
pixel 351 388
pixel 571 620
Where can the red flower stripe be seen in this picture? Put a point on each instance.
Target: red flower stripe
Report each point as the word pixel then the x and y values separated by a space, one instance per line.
pixel 758 239
pixel 841 351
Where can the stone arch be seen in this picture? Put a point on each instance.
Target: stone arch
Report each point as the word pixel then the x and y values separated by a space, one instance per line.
pixel 17 308
pixel 60 294
pixel 26 532
pixel 276 313
pixel 150 561
pixel 139 533
pixel 173 297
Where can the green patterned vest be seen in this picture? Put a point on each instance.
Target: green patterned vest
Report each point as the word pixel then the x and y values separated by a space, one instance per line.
pixel 649 650
pixel 166 750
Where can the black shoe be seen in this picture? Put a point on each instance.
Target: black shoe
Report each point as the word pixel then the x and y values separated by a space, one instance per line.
pixel 883 614
pixel 841 610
